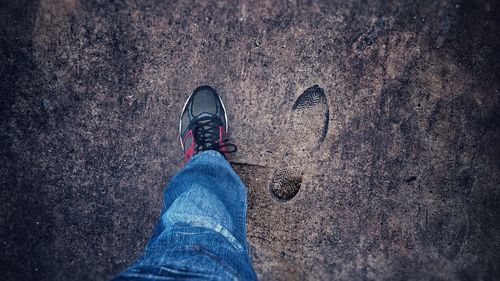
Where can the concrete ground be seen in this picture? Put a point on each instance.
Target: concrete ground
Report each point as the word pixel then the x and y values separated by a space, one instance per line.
pixel 405 184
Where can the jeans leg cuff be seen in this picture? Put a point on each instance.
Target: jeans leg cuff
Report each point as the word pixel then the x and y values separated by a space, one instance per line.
pixel 208 154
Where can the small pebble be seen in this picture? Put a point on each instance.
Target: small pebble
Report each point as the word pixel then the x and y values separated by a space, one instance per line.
pixel 45 103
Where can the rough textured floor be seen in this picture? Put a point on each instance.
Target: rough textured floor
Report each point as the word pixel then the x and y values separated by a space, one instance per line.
pixel 404 186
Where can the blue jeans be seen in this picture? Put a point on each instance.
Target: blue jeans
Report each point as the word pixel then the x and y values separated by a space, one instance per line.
pixel 201 232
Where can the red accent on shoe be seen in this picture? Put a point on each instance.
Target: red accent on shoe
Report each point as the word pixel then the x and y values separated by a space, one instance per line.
pixel 222 136
pixel 222 133
pixel 190 151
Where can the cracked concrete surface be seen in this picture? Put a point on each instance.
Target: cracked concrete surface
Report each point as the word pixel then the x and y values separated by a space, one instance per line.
pixel 405 186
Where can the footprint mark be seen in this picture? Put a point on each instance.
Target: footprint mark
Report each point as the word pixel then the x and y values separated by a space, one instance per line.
pixel 306 129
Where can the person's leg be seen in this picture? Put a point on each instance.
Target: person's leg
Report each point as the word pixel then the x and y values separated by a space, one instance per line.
pixel 201 232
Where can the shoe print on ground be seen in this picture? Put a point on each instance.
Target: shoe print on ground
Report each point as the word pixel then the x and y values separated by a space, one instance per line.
pixel 308 125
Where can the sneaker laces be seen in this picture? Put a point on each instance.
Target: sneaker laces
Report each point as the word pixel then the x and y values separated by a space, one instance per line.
pixel 206 136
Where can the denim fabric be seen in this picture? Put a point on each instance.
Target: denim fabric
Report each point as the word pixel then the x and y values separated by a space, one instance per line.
pixel 201 232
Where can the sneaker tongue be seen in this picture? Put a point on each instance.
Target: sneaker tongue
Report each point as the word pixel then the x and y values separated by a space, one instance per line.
pixel 207 125
pixel 207 129
pixel 206 133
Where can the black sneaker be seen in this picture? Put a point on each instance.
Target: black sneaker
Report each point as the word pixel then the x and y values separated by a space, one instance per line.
pixel 203 125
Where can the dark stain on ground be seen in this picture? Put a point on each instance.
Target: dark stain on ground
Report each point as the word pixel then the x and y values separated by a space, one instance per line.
pixel 368 39
pixel 410 179
pixel 404 186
